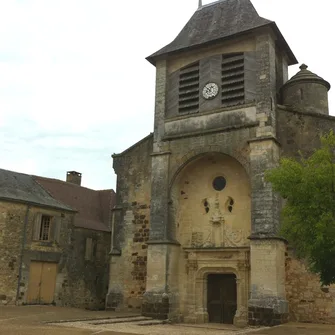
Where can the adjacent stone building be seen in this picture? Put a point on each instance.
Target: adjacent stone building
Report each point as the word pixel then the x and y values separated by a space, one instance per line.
pixel 54 241
pixel 195 224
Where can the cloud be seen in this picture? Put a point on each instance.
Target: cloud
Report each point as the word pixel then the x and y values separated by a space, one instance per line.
pixel 75 86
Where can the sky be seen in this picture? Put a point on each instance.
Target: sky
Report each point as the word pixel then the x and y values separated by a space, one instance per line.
pixel 75 86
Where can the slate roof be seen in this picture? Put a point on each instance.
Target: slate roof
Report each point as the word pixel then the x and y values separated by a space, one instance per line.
pixel 305 75
pixel 21 187
pixel 220 20
pixel 93 207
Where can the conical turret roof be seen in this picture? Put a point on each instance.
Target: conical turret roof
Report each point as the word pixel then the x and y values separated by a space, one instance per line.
pixel 305 75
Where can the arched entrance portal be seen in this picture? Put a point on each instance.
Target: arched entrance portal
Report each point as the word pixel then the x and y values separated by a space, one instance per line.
pixel 221 298
pixel 210 212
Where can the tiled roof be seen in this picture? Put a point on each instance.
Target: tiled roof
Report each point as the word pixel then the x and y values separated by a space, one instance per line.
pixel 220 20
pixel 94 207
pixel 21 187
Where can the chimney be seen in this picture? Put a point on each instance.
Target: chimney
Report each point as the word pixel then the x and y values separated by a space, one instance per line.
pixel 73 177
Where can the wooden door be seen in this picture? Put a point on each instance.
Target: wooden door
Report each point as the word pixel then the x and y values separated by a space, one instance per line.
pixel 42 282
pixel 221 298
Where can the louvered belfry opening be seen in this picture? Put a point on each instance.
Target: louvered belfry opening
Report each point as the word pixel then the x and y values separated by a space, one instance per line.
pixel 232 89
pixel 189 89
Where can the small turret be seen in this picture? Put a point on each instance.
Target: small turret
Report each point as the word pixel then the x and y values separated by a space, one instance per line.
pixel 306 92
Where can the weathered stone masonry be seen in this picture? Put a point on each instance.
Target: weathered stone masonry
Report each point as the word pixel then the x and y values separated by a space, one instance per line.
pixel 201 234
pixel 130 231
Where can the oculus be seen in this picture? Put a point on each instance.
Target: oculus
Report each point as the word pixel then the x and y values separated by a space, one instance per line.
pixel 219 183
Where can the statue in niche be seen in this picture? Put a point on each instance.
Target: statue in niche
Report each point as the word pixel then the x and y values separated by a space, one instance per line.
pixel 217 217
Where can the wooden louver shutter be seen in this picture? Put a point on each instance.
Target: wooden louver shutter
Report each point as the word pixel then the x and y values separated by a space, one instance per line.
pixel 232 92
pixel 189 89
pixel 56 227
pixel 37 226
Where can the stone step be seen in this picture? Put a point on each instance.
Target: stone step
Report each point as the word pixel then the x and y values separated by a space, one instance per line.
pixel 151 322
pixel 101 318
pixel 121 320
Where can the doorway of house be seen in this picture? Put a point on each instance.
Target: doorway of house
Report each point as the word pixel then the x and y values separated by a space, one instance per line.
pixel 42 282
pixel 221 298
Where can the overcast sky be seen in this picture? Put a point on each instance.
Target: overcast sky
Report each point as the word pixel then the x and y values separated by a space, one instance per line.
pixel 75 86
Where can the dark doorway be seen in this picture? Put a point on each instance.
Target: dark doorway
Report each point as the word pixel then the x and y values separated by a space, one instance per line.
pixel 221 298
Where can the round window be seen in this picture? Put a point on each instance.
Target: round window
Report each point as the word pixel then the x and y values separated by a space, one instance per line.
pixel 219 183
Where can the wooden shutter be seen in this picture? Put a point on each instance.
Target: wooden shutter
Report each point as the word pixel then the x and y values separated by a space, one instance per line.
pixel 88 249
pixel 37 227
pixel 56 227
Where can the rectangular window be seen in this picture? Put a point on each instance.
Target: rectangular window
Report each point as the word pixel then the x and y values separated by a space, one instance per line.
pixel 45 228
pixel 89 249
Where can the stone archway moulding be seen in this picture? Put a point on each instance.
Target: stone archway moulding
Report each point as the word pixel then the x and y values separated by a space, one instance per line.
pixel 200 151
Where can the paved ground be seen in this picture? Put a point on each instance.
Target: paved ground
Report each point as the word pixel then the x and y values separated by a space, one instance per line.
pixel 30 320
pixel 40 320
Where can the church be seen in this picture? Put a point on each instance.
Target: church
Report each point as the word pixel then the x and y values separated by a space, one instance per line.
pixel 195 225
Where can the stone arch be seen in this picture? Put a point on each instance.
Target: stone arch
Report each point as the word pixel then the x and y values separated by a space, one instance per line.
pixel 200 151
pixel 239 189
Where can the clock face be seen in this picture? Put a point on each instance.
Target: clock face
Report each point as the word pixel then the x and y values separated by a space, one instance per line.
pixel 210 91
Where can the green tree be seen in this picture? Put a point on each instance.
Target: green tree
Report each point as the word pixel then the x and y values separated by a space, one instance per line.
pixel 308 216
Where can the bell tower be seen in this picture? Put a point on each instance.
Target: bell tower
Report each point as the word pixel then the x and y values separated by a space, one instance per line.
pixel 217 85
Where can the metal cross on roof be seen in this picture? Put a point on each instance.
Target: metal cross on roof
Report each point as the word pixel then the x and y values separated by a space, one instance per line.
pixel 200 3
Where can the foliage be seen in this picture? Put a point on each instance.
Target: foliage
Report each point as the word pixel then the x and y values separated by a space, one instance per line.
pixel 308 217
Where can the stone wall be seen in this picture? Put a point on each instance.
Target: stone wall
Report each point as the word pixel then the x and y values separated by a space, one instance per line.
pixel 11 226
pixel 128 261
pixel 85 283
pixel 301 131
pixel 308 300
pixel 78 283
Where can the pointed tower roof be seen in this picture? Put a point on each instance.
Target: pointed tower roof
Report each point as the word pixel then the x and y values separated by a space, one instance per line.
pixel 220 20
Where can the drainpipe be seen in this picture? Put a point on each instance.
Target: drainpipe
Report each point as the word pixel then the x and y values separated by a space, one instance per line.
pixel 23 243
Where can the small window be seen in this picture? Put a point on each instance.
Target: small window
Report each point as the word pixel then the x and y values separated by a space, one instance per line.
pixel 89 249
pixel 45 228
pixel 219 183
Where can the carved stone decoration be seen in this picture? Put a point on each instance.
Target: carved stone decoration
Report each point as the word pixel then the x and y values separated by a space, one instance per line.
pixel 217 217
pixel 191 266
pixel 233 238
pixel 217 221
pixel 208 243
pixel 220 233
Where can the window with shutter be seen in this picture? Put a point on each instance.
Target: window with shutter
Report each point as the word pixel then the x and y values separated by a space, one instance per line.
pixel 232 79
pixel 56 228
pixel 37 227
pixel 189 89
pixel 89 249
pixel 45 229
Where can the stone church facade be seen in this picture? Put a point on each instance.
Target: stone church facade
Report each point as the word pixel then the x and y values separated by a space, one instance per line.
pixel 195 225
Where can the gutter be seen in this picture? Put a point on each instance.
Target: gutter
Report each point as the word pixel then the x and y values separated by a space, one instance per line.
pixel 23 243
